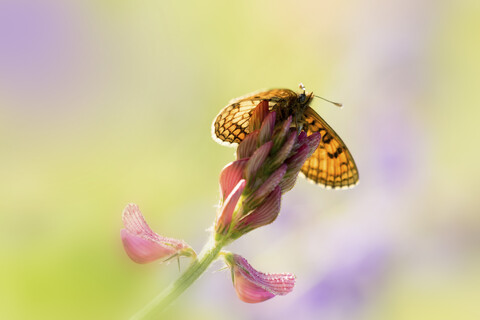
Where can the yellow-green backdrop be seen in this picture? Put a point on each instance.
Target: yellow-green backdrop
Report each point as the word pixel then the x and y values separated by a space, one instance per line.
pixel 103 103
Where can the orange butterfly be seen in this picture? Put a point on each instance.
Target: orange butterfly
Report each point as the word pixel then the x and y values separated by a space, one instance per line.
pixel 331 165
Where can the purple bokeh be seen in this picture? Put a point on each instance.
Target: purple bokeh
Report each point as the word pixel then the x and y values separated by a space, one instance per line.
pixel 47 52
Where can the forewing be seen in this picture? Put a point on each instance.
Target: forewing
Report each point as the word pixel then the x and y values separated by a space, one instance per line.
pixel 231 124
pixel 331 165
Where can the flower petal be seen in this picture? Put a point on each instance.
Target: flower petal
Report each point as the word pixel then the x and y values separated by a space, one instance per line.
pixel 256 160
pixel 142 250
pixel 281 133
pixel 248 291
pixel 264 190
pixel 258 115
pixel 266 130
pixel 313 141
pixel 142 244
pixel 284 152
pixel 264 214
pixel 231 174
pixel 224 217
pixel 248 145
pixel 296 161
pixel 253 286
pixel 288 182
pixel 302 136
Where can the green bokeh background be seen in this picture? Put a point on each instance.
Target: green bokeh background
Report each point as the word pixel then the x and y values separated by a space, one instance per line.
pixel 103 103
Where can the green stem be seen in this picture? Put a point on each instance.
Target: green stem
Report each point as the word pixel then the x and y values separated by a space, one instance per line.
pixel 208 254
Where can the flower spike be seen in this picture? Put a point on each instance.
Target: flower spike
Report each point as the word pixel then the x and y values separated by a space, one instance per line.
pixel 271 155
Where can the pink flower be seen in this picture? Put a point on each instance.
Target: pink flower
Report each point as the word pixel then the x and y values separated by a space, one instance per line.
pixel 269 160
pixel 143 245
pixel 253 286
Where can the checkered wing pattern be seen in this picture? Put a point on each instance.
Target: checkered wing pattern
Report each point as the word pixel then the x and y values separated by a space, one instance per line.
pixel 231 124
pixel 331 165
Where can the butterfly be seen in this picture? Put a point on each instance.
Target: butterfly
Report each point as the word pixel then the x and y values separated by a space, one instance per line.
pixel 331 165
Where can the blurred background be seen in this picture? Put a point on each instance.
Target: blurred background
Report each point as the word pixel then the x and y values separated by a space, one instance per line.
pixel 106 102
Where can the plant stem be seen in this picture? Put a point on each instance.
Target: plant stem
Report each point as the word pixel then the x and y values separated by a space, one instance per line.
pixel 208 254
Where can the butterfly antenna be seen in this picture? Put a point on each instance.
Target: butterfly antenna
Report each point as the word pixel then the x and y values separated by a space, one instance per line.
pixel 332 102
pixel 302 87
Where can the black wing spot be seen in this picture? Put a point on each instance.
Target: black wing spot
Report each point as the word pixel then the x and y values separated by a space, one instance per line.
pixel 327 138
pixel 336 154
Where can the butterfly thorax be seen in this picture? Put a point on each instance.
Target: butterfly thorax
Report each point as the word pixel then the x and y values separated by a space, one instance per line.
pixel 295 108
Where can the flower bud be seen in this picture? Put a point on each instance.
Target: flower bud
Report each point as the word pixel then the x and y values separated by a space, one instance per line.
pixel 258 115
pixel 231 174
pixel 264 214
pixel 296 161
pixel 257 160
pixel 224 217
pixel 248 146
pixel 281 133
pixel 313 141
pixel 285 150
pixel 266 130
pixel 259 195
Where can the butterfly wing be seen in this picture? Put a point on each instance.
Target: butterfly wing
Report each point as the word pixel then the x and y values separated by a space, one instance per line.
pixel 331 165
pixel 231 124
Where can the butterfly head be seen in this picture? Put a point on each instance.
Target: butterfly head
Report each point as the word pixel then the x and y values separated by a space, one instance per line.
pixel 304 97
